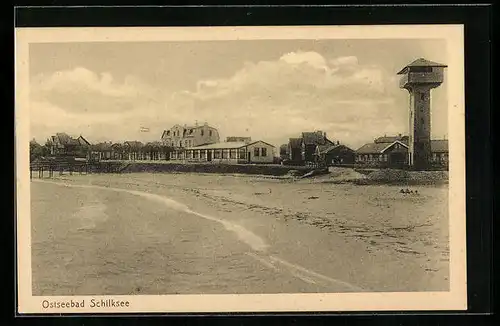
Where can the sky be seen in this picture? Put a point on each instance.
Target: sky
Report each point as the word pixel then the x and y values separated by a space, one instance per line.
pixel 269 90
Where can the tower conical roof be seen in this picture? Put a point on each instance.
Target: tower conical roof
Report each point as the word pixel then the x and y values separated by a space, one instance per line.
pixel 421 62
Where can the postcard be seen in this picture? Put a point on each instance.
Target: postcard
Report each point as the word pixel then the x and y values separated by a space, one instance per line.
pixel 240 169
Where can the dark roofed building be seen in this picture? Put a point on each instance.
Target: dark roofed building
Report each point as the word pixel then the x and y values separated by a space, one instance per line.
pixel 295 149
pixel 311 140
pixel 391 139
pixel 439 151
pixel 335 154
pixel 393 151
pixel 61 144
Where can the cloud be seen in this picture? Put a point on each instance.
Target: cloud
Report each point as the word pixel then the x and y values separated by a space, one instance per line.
pixel 300 91
pixel 81 90
pixel 269 100
pixel 312 59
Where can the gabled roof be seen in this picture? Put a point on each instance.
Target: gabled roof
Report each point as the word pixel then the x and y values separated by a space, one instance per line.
pixel 421 62
pixel 391 139
pixel 295 142
pixel 65 139
pixel 439 146
pixel 323 149
pixel 377 148
pixel 83 141
pixel 259 141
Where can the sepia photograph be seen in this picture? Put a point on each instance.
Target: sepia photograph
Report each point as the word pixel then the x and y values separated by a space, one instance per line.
pixel 240 169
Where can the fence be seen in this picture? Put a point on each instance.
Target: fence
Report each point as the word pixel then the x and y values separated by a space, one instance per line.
pixel 50 168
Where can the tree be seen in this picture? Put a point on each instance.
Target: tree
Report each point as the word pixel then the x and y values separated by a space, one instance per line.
pixel 37 150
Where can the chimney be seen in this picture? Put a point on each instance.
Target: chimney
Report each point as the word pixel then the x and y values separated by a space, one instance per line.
pixel 399 135
pixel 338 142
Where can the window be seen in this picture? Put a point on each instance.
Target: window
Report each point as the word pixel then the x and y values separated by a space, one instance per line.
pixel 210 133
pixel 168 132
pixel 203 154
pixel 217 153
pixel 264 151
pixel 421 69
pixel 232 153
pixel 189 154
pixel 242 153
pixel 256 151
pixel 196 154
pixel 422 96
pixel 202 132
pixel 224 153
pixel 422 121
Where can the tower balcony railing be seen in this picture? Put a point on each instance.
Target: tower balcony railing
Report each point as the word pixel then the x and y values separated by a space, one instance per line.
pixel 421 78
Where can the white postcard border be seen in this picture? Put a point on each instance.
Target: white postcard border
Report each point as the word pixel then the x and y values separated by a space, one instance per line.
pixel 455 299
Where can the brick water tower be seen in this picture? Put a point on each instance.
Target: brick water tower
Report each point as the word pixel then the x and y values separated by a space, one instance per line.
pixel 419 77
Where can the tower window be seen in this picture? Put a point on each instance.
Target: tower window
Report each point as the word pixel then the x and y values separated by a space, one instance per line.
pixel 422 121
pixel 422 96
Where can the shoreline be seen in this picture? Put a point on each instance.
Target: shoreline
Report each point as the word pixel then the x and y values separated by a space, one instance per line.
pixel 334 175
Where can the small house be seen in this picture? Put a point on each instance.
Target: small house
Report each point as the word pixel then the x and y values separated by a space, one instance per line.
pixel 337 154
pixel 383 154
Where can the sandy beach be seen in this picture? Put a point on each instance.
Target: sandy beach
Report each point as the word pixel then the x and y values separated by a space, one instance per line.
pixel 145 233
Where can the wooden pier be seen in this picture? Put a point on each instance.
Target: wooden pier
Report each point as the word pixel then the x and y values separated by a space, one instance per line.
pixel 48 168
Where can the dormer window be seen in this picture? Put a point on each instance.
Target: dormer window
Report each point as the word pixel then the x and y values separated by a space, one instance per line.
pixel 202 132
